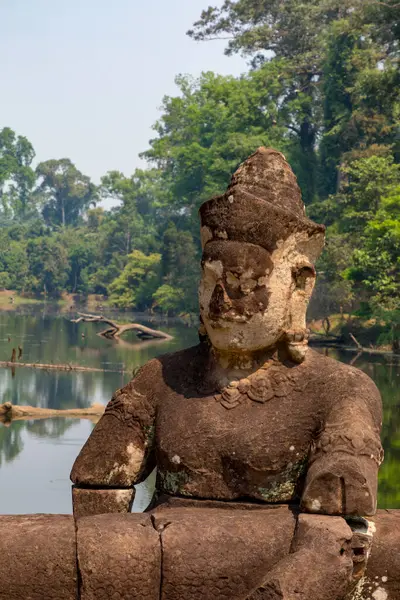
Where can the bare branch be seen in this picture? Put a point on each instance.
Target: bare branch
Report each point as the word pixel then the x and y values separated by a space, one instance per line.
pixel 116 329
pixel 83 317
pixel 217 38
pixel 55 367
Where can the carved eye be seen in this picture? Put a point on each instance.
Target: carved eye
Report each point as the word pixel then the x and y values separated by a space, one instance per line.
pixel 301 276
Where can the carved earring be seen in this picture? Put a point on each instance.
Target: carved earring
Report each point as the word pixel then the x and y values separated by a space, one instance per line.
pixel 296 337
pixel 297 344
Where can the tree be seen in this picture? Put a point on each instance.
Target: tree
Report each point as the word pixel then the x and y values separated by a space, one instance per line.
pixel 291 33
pixel 180 269
pixel 65 192
pixel 203 135
pixel 361 264
pixel 321 46
pixel 82 255
pixel 360 93
pixel 367 181
pixel 132 223
pixel 135 286
pixel 375 268
pixel 376 263
pixel 48 266
pixel 16 265
pixel 17 177
pixel 168 299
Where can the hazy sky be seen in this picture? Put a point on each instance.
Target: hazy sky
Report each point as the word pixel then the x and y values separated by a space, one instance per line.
pixel 84 79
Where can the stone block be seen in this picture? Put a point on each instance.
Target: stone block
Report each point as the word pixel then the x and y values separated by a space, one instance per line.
pixel 382 580
pixel 88 502
pixel 38 558
pixel 119 557
pixel 219 554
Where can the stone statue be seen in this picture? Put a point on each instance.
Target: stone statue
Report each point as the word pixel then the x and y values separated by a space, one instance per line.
pixel 250 421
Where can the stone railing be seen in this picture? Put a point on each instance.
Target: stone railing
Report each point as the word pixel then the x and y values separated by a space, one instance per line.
pixel 175 554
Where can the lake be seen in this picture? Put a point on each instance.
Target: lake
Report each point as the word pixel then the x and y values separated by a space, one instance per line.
pixel 36 456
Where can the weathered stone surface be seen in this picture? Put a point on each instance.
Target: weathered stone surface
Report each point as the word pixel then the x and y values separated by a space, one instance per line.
pixel 261 206
pixel 164 503
pixel 212 554
pixel 382 579
pixel 250 414
pixel 119 557
pixel 120 451
pixel 87 501
pixel 207 451
pixel 236 420
pixel 319 566
pixel 38 558
pixel 346 454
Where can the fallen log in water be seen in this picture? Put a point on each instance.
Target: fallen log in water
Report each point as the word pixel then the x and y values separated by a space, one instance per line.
pixel 116 329
pixel 58 367
pixel 11 412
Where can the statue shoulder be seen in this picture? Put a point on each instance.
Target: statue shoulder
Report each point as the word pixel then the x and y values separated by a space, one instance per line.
pixel 344 384
pixel 181 369
pixel 166 370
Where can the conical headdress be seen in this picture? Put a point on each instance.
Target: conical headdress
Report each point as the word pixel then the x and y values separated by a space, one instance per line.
pixel 261 206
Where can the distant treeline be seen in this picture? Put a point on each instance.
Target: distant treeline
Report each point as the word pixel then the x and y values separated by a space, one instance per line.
pixel 323 87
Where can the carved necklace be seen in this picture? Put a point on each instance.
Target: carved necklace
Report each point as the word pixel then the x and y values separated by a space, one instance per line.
pixel 270 381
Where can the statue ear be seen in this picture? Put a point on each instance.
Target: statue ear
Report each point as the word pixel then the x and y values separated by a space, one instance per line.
pixel 303 277
pixel 303 281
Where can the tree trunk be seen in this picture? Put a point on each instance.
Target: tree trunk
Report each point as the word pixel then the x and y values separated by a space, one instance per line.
pixel 309 159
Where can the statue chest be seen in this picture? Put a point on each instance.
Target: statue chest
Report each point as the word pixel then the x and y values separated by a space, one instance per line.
pixel 250 444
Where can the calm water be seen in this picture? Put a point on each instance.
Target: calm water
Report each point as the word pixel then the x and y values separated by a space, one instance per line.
pixel 36 456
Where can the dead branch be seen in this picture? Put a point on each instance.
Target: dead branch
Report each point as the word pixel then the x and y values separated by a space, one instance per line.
pixel 116 330
pixel 355 341
pixel 11 412
pixel 57 367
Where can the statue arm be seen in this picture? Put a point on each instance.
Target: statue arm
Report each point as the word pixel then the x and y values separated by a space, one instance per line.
pixel 345 456
pixel 119 452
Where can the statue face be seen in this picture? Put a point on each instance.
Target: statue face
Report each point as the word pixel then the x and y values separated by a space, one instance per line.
pixel 250 297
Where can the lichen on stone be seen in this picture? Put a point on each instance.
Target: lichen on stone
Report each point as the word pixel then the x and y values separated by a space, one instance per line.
pixel 283 490
pixel 173 482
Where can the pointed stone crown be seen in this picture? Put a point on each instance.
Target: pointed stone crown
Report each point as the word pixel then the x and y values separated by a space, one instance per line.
pixel 262 205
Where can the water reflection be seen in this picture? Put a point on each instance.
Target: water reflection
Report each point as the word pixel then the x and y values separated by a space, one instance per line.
pixel 36 455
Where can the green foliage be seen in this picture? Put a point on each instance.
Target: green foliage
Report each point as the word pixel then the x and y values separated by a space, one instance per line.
pixel 180 270
pixel 64 192
pixel 323 88
pixel 168 299
pixel 17 177
pixel 82 253
pixel 376 264
pixel 205 132
pixel 137 282
pixel 48 265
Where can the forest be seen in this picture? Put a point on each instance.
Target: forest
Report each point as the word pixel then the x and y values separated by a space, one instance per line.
pixel 322 86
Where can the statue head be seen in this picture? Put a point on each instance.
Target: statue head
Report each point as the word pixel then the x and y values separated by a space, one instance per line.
pixel 259 251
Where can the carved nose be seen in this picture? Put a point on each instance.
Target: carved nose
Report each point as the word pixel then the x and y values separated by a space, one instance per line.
pixel 220 302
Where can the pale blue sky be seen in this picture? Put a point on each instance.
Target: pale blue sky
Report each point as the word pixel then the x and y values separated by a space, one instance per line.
pixel 84 79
